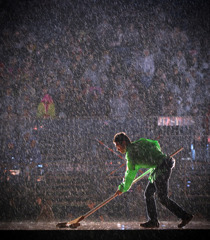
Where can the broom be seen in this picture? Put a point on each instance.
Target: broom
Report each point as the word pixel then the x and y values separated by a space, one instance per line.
pixel 75 223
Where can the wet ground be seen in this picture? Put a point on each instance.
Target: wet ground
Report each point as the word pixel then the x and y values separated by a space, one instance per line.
pixel 104 230
pixel 89 225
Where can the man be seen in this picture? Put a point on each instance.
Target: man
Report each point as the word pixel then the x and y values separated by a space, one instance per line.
pixel 146 153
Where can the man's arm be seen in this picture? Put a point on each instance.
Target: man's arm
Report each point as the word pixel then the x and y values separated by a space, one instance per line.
pixel 128 179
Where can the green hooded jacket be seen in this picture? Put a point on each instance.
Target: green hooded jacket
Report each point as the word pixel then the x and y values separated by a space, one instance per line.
pixel 143 153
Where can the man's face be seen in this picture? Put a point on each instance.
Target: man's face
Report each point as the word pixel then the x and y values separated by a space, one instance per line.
pixel 121 147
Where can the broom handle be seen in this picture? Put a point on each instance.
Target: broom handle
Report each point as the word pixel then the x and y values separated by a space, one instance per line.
pixel 99 206
pixel 113 196
pixel 173 154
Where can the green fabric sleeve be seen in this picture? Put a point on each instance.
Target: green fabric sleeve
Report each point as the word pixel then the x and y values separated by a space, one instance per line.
pixel 128 179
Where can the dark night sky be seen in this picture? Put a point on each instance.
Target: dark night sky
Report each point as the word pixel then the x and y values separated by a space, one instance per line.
pixel 16 12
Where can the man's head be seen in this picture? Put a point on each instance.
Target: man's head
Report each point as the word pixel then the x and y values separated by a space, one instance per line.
pixel 121 141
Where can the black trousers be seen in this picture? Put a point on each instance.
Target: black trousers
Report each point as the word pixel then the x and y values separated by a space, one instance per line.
pixel 160 186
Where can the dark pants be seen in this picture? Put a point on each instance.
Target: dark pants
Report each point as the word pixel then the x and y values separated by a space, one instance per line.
pixel 160 186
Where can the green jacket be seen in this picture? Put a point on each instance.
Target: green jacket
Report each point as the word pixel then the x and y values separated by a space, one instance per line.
pixel 143 153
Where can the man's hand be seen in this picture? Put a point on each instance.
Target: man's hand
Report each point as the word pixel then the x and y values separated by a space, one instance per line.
pixel 118 193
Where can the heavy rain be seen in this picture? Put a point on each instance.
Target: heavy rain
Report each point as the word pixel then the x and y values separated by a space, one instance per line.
pixel 75 73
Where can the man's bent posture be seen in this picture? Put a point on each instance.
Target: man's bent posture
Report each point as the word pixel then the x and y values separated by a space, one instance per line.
pixel 146 153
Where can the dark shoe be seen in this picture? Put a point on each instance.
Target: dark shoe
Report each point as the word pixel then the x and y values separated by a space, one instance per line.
pixel 150 224
pixel 185 221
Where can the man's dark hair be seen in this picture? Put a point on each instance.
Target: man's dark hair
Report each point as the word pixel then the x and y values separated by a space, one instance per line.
pixel 120 137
